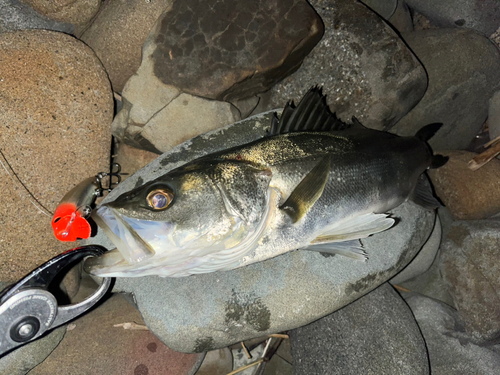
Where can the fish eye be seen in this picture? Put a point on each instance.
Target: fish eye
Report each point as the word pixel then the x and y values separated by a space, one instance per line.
pixel 160 199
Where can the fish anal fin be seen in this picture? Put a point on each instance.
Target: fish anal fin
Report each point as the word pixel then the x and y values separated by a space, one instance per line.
pixel 351 249
pixel 355 228
pixel 307 191
pixel 423 194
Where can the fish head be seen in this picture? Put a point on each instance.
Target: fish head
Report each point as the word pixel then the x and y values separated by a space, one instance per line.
pixel 193 212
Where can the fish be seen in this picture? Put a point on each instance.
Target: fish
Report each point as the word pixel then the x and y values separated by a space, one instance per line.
pixel 313 183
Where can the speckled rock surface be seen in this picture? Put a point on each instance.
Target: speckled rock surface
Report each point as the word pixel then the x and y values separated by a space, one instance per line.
pixel 15 15
pixel 56 112
pixel 23 359
pixel 364 67
pixel 214 310
pixel 471 270
pixel 424 258
pixel 468 194
pixel 482 16
pixel 231 50
pixel 70 11
pixel 494 116
pixel 132 159
pixel 118 33
pixel 375 334
pixel 449 347
pixel 95 346
pixel 464 72
pixel 156 117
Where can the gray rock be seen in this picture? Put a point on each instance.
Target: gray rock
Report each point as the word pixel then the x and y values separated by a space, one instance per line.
pixel 232 50
pixel 15 15
pixel 464 72
pixel 383 8
pixel 401 19
pixel 364 67
pixel 209 311
pixel 471 269
pixel 494 116
pixel 156 117
pixel 23 359
pixel 376 334
pixel 482 16
pixel 424 258
pixel 450 350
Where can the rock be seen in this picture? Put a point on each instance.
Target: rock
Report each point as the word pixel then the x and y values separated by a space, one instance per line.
pixel 156 117
pixel 118 33
pixel 376 334
pixel 70 11
pixel 471 270
pixel 468 194
pixel 56 111
pixel 24 358
pixel 401 19
pixel 15 15
pixel 96 346
pixel 132 159
pixel 214 310
pixel 232 50
pixel 424 258
pixel 494 116
pixel 450 351
pixel 482 16
pixel 364 67
pixel 384 9
pixel 216 362
pixel 464 72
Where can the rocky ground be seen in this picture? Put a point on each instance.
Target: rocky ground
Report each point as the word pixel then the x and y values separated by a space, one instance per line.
pixel 87 81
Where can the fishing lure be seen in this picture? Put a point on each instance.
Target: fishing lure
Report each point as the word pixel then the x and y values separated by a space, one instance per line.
pixel 71 217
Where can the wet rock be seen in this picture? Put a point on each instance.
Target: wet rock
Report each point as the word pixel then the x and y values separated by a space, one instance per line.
pixel 23 359
pixel 472 272
pixel 209 311
pixel 156 117
pixel 69 11
pixel 216 362
pixel 424 258
pixel 450 350
pixel 376 334
pixel 56 111
pixel 468 194
pixel 232 50
pixel 482 16
pixel 15 15
pixel 118 33
pixel 364 67
pixel 464 72
pixel 95 346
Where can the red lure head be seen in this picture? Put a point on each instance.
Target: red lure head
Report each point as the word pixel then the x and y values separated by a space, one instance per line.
pixel 68 224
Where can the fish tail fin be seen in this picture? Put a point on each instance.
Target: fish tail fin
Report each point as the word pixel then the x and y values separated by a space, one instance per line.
pixel 428 131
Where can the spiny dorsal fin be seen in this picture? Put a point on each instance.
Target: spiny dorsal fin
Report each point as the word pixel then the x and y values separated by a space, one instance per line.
pixel 312 114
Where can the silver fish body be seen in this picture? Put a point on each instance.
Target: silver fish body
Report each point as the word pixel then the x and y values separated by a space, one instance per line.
pixel 315 183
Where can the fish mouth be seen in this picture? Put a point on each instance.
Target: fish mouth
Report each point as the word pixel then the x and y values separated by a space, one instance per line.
pixel 136 240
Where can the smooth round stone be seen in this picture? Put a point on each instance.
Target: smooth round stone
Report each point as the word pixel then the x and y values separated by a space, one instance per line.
pixel 209 311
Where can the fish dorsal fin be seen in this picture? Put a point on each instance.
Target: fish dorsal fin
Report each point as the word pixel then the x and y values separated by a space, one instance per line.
pixel 428 131
pixel 307 191
pixel 312 114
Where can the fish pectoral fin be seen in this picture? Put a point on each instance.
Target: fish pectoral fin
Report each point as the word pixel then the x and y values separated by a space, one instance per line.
pixel 351 249
pixel 355 228
pixel 308 191
pixel 423 194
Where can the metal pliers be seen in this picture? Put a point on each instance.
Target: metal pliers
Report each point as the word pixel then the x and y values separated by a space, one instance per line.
pixel 28 309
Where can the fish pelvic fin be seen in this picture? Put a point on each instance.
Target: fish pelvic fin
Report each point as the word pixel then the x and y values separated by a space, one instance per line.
pixel 312 114
pixel 423 194
pixel 351 249
pixel 308 191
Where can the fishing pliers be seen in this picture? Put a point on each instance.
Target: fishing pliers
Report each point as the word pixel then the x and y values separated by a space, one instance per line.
pixel 28 309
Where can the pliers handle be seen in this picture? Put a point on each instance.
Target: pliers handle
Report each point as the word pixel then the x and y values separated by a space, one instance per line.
pixel 28 309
